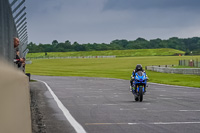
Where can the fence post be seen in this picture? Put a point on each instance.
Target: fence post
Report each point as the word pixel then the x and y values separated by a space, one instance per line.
pixel 196 63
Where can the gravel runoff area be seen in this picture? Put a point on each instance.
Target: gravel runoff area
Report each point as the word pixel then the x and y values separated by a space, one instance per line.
pixel 37 114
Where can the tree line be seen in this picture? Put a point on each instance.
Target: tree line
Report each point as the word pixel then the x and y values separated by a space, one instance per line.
pixel 189 45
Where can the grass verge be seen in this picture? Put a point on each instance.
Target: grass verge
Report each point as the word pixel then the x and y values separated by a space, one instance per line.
pixel 118 53
pixel 33 80
pixel 120 68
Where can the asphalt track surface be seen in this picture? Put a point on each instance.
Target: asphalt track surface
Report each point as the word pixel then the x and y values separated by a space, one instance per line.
pixel 103 105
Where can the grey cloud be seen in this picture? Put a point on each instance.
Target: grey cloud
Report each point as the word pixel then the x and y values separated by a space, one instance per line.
pixel 158 13
pixel 151 4
pixel 88 21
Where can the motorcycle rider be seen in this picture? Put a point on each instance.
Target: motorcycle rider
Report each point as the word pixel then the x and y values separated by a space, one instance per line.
pixel 137 69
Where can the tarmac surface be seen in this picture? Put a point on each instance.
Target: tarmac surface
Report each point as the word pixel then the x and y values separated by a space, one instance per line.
pixel 104 105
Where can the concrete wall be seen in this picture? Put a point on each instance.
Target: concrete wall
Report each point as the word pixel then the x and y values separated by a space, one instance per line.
pixel 15 114
pixel 195 71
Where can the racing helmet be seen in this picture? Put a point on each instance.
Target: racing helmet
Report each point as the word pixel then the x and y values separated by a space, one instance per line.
pixel 138 67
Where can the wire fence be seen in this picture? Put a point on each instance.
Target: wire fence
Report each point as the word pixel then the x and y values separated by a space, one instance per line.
pixel 190 63
pixel 12 24
pixel 7 30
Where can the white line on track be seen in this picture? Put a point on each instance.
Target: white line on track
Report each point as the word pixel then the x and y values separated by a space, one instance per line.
pixel 92 96
pixel 174 123
pixel 164 98
pixel 157 90
pixel 152 123
pixel 109 104
pixel 123 109
pixel 162 95
pixel 78 128
pixel 172 85
pixel 189 110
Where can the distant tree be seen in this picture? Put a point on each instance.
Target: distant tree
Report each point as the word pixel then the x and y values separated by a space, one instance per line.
pixel 141 43
pixel 33 48
pixel 88 47
pixel 47 48
pixel 187 45
pixel 122 43
pixel 77 47
pixel 55 43
pixel 131 45
pixel 68 46
pixel 155 43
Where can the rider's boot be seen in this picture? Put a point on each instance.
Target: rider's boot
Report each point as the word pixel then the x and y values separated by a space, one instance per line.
pixel 130 88
pixel 133 88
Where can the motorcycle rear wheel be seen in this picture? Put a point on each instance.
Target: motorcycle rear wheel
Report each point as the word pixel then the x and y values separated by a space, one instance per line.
pixel 141 94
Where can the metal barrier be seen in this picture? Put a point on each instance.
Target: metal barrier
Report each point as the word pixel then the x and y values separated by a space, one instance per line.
pixel 164 69
pixel 12 24
pixel 71 57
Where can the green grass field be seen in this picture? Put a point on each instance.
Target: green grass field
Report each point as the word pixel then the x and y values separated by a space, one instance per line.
pixel 118 53
pixel 113 68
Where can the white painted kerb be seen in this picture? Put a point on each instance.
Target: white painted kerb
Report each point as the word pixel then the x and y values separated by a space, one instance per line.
pixel 78 128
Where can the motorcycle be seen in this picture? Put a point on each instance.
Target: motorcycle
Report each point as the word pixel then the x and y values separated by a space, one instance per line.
pixel 139 85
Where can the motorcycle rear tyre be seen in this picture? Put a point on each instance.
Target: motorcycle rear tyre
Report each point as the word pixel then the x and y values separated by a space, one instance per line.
pixel 140 94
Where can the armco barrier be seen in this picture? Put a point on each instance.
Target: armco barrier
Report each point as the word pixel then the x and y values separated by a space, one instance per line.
pixel 163 69
pixel 14 100
pixel 72 57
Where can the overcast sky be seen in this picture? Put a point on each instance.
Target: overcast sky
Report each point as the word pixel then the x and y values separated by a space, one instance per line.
pixel 101 21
